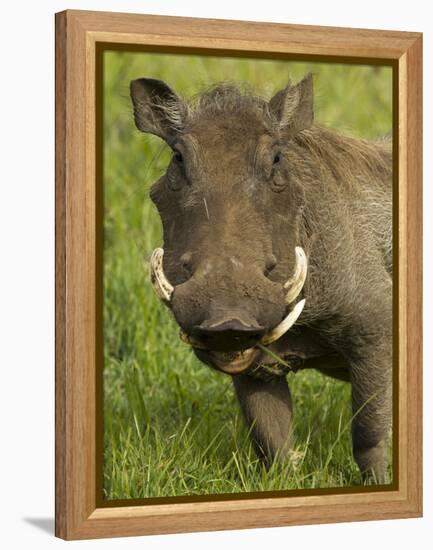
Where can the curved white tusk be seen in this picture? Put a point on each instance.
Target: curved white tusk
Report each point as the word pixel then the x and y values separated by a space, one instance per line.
pixel 159 281
pixel 284 326
pixel 296 282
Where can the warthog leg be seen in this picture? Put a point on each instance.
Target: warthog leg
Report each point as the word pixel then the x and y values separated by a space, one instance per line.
pixel 267 409
pixel 372 417
pixel 371 378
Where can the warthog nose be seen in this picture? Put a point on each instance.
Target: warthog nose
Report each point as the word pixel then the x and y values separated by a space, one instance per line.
pixel 270 263
pixel 229 334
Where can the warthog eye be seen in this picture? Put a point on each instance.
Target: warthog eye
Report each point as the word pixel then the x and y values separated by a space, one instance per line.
pixel 177 155
pixel 277 158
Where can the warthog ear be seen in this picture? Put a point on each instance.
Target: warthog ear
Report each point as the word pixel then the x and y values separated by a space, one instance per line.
pixel 293 106
pixel 157 109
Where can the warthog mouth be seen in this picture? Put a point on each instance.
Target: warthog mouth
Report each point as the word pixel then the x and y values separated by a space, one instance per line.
pixel 235 362
pixel 229 362
pixel 252 361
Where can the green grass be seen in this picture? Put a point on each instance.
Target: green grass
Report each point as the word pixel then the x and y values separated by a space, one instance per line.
pixel 172 425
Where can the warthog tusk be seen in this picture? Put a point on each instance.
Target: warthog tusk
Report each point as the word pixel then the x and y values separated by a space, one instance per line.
pixel 284 326
pixel 159 281
pixel 296 282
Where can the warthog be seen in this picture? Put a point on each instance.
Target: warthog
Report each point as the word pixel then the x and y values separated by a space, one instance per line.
pixel 274 223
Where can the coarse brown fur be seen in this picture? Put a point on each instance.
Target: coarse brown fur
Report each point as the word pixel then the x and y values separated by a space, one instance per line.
pixel 249 181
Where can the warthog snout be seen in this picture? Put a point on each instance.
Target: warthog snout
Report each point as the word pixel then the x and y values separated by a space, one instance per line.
pixel 231 309
pixel 228 308
pixel 228 333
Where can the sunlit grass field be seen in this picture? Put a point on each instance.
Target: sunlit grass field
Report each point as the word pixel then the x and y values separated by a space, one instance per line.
pixel 172 426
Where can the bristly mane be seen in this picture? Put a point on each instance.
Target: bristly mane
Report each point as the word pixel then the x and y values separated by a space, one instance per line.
pixel 229 98
pixel 347 156
pixel 221 98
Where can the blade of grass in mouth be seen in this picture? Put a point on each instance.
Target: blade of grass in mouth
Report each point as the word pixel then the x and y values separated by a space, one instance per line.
pixel 273 355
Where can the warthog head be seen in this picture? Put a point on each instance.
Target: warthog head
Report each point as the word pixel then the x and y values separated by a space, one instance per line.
pixel 231 269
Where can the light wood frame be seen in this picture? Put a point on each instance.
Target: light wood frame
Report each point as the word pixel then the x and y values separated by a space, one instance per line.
pixel 78 512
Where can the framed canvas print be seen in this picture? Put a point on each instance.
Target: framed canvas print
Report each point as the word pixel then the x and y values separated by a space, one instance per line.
pixel 238 274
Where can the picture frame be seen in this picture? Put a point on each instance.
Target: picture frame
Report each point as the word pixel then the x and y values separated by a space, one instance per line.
pixel 80 38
